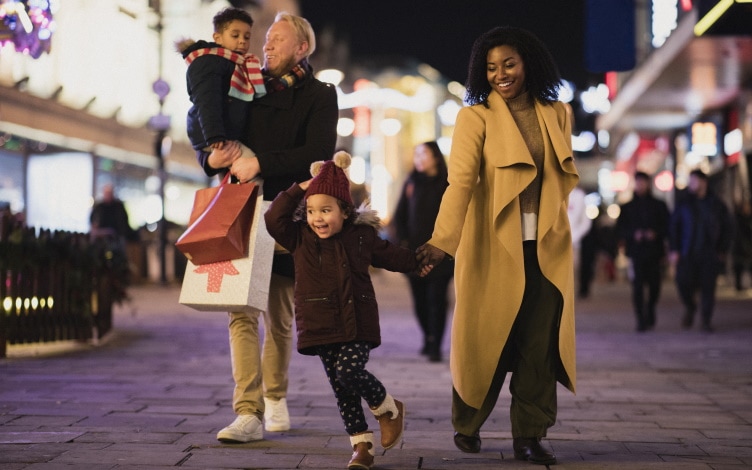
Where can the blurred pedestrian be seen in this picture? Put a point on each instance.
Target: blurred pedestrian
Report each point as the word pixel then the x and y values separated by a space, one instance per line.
pixel 700 237
pixel 294 125
pixel 579 224
pixel 222 78
pixel 507 226
pixel 336 312
pixel 742 247
pixel 590 247
pixel 109 219
pixel 642 232
pixel 413 223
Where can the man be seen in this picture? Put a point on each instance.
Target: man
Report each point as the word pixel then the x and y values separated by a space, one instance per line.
pixel 288 129
pixel 700 237
pixel 642 230
pixel 109 218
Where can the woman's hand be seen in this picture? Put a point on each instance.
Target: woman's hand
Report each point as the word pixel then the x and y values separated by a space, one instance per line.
pixel 428 256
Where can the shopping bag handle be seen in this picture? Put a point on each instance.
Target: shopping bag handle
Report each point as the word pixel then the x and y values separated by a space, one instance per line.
pixel 228 179
pixel 258 180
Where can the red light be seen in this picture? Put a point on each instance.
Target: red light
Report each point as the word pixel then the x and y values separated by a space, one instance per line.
pixel 361 114
pixel 611 79
pixel 686 5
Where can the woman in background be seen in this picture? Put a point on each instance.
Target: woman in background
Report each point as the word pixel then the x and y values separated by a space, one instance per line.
pixel 413 223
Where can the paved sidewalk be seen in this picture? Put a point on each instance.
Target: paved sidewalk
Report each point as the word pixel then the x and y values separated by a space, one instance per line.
pixel 155 392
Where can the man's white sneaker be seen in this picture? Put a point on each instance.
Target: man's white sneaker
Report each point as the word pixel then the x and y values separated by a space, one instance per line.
pixel 245 428
pixel 276 416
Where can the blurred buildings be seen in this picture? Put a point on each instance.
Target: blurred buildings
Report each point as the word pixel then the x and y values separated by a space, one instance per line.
pixel 87 101
pixel 102 100
pixel 688 101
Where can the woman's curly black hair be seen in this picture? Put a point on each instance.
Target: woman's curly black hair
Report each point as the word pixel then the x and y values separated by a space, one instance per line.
pixel 541 73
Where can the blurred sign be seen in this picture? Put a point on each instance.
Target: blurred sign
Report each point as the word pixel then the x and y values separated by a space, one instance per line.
pixel 704 138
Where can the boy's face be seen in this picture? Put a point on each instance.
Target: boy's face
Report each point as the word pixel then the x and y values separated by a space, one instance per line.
pixel 236 37
pixel 324 215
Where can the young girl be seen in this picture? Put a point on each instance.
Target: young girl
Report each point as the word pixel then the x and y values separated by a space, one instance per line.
pixel 335 306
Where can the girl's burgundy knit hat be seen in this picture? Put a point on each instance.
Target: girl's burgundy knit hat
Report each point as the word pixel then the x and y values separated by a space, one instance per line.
pixel 329 177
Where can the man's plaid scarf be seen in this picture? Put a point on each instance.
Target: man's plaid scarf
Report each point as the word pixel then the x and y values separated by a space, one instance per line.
pixel 247 82
pixel 298 73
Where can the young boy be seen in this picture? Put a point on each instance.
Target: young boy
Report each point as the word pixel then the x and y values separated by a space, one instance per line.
pixel 222 78
pixel 336 314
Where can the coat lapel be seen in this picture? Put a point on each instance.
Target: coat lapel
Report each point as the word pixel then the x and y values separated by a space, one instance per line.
pixel 560 163
pixel 282 99
pixel 506 150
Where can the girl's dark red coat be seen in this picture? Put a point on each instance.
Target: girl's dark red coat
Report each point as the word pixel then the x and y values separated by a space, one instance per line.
pixel 334 296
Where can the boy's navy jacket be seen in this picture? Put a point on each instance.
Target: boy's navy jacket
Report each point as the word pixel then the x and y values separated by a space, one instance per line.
pixel 215 115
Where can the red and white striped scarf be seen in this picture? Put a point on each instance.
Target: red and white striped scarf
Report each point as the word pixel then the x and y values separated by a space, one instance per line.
pixel 246 82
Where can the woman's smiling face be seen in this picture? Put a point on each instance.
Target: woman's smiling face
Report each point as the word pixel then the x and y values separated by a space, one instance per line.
pixel 505 71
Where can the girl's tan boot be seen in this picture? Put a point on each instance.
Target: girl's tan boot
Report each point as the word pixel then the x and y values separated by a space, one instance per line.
pixel 391 417
pixel 363 452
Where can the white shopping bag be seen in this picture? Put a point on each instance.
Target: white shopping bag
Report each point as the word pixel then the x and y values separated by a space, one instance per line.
pixel 239 285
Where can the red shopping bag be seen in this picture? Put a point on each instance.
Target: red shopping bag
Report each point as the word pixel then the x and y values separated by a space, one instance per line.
pixel 220 223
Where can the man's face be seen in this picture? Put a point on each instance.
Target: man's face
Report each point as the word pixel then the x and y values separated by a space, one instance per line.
pixel 697 186
pixel 641 186
pixel 282 49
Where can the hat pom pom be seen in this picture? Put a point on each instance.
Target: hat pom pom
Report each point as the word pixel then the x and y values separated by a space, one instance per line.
pixel 342 159
pixel 316 167
pixel 183 44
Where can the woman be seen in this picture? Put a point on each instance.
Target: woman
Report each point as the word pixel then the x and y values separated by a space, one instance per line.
pixel 413 223
pixel 504 218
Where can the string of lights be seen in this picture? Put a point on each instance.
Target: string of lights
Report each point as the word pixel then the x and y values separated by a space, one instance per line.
pixel 28 25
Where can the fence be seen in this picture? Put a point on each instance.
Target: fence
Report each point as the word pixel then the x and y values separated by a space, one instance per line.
pixel 57 286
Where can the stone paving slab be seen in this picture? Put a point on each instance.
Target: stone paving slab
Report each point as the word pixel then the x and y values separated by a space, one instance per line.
pixel 153 394
pixel 36 437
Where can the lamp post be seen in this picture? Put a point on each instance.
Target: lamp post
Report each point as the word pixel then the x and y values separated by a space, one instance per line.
pixel 161 124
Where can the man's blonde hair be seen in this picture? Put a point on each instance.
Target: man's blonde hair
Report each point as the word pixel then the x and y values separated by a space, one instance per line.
pixel 303 29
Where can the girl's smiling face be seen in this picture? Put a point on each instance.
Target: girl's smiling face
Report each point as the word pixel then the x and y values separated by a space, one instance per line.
pixel 505 72
pixel 324 215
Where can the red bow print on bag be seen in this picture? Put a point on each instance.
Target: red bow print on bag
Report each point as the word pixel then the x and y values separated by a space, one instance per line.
pixel 216 272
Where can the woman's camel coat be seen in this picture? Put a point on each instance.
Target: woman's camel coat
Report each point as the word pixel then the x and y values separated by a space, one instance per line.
pixel 479 223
